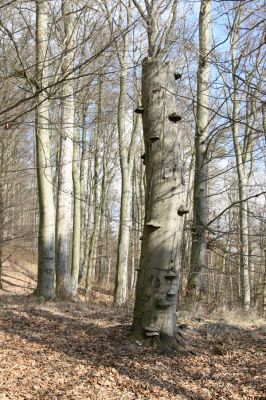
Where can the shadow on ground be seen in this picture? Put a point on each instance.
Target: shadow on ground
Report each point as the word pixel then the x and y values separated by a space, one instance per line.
pixel 228 359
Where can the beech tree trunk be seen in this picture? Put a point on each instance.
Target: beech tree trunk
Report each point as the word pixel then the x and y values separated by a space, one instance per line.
pixel 94 234
pixel 242 178
pixel 1 212
pixel 126 153
pixel 82 184
pixel 46 240
pixel 76 245
pixel 159 275
pixel 65 184
pixel 195 284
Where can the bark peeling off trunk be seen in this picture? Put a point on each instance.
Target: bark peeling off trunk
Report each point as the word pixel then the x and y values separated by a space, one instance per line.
pixel 158 281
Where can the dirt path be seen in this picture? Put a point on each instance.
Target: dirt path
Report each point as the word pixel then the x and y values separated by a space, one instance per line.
pixel 75 352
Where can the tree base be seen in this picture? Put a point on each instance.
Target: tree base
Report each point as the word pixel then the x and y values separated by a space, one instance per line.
pixel 165 344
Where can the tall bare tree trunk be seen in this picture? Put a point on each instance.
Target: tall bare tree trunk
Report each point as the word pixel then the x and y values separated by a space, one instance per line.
pixel 82 184
pixel 242 178
pixel 159 275
pixel 1 212
pixel 195 285
pixel 46 241
pixel 77 213
pixel 94 234
pixel 126 163
pixel 65 185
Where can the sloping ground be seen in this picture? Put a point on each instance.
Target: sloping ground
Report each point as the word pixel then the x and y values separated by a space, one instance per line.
pixel 75 352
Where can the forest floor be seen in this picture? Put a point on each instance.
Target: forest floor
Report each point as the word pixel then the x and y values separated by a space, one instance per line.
pixel 76 351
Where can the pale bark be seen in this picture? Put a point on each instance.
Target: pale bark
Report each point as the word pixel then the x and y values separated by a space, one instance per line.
pixel 242 182
pixel 1 213
pixel 126 153
pixel 46 241
pixel 195 285
pixel 77 214
pixel 264 118
pixel 159 275
pixel 102 224
pixel 264 289
pixel 65 184
pixel 82 185
pixel 86 215
pixel 95 229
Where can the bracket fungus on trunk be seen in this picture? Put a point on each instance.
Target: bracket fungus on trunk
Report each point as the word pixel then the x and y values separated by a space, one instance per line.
pixel 139 110
pixel 143 157
pixel 153 224
pixel 171 293
pixel 151 328
pixel 182 210
pixel 177 75
pixel 154 138
pixel 163 304
pixel 152 334
pixel 171 275
pixel 174 117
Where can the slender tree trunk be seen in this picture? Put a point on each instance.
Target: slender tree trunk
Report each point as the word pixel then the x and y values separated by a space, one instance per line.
pixel 158 278
pixel 242 182
pixel 95 230
pixel 121 285
pixel 264 289
pixel 195 285
pixel 1 214
pixel 126 153
pixel 82 192
pixel 102 233
pixel 46 241
pixel 65 184
pixel 77 214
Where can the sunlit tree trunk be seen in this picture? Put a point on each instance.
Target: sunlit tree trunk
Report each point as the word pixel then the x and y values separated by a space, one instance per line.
pixel 126 153
pixel 65 185
pixel 242 179
pixel 77 213
pixel 195 285
pixel 159 275
pixel 1 212
pixel 83 181
pixel 96 208
pixel 46 241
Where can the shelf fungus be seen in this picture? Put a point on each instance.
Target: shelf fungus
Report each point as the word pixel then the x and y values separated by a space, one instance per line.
pixel 153 224
pixel 152 334
pixel 151 328
pixel 143 157
pixel 171 293
pixel 182 210
pixel 154 138
pixel 174 117
pixel 171 275
pixel 177 75
pixel 139 110
pixel 163 304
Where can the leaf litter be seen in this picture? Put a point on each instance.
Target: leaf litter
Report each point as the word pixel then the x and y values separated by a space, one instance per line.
pixel 78 351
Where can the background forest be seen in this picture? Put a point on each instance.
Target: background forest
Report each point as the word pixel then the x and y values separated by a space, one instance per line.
pixel 132 199
pixel 76 83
